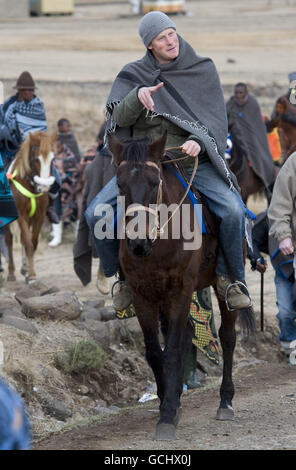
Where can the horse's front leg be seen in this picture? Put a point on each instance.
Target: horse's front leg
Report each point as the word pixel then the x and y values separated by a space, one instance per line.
pixel 147 315
pixel 26 240
pixel 227 336
pixel 178 338
pixel 9 244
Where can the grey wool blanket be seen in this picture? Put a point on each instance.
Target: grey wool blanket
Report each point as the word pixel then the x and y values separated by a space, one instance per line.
pixel 191 98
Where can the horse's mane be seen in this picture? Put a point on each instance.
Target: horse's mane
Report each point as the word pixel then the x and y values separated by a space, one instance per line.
pixel 22 159
pixel 135 150
pixel 289 114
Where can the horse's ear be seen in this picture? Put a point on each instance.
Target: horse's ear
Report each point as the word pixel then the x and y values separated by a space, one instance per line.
pixel 157 148
pixel 34 138
pixel 115 148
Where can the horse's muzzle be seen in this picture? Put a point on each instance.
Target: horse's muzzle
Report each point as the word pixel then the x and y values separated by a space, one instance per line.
pixel 43 184
pixel 140 247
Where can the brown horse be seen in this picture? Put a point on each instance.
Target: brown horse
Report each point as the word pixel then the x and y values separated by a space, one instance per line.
pixel 30 179
pixel 163 273
pixel 239 164
pixel 284 118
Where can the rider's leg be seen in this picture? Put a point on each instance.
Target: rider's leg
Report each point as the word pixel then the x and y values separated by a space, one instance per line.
pixel 228 207
pixel 100 217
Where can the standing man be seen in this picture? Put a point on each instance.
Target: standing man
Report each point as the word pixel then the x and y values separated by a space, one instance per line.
pixel 173 89
pixel 246 122
pixel 282 221
pixel 21 115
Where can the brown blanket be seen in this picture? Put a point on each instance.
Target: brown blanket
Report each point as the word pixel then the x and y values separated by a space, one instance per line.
pixel 97 175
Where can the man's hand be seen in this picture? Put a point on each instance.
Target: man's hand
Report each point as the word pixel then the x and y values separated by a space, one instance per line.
pixel 261 267
pixel 191 148
pixel 286 246
pixel 145 95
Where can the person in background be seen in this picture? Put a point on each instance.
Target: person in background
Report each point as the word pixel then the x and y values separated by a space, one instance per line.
pixel 245 121
pixel 20 115
pixel 15 429
pixel 282 221
pixel 67 137
pixel 66 203
pixel 271 124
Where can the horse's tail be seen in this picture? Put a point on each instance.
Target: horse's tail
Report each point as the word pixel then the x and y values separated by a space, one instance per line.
pixel 247 321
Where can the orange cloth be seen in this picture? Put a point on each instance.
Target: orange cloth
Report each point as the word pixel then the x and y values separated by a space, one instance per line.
pixel 274 144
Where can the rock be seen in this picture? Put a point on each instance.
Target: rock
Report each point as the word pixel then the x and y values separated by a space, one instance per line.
pixel 8 303
pixel 107 313
pixel 98 410
pixel 55 408
pixel 57 306
pixel 36 289
pixel 98 303
pixel 91 313
pixel 19 323
pixel 14 311
pixel 83 390
pixel 104 333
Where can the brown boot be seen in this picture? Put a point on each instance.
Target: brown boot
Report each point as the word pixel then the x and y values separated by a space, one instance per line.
pixel 232 294
pixel 123 296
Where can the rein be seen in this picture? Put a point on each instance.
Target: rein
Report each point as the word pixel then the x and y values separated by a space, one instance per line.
pixel 25 192
pixel 157 230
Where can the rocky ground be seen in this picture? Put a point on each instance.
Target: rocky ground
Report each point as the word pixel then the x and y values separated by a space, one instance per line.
pixel 74 60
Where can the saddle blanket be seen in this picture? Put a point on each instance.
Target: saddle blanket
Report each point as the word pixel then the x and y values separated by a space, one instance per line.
pixel 202 318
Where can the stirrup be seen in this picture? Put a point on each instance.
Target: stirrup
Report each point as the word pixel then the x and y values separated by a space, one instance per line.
pixel 240 284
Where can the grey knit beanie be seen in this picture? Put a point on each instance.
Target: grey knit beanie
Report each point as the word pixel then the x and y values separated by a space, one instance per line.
pixel 152 24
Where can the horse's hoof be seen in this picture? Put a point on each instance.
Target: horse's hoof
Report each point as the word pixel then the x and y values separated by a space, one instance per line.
pixel 11 278
pixel 24 271
pixel 178 416
pixel 165 432
pixel 30 280
pixel 225 414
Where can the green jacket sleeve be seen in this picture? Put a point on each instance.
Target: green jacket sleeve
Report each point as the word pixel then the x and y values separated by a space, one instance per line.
pixel 127 112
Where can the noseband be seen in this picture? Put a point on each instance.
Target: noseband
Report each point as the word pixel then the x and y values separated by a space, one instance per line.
pixel 136 208
pixel 156 230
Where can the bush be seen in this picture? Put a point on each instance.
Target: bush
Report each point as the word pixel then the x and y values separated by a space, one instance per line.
pixel 81 357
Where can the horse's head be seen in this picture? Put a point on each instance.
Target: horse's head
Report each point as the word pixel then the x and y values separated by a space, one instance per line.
pixel 34 160
pixel 140 185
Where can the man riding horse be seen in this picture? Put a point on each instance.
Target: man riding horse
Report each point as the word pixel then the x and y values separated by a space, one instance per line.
pixel 173 89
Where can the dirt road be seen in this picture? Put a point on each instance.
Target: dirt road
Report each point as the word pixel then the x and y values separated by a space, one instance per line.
pixel 265 405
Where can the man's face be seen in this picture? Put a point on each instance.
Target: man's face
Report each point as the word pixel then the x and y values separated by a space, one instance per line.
pixel 26 95
pixel 65 128
pixel 165 46
pixel 240 94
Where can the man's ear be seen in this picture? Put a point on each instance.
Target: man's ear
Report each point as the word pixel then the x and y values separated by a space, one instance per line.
pixel 115 148
pixel 157 148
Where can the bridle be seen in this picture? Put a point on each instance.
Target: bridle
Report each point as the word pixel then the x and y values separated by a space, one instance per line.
pixel 157 230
